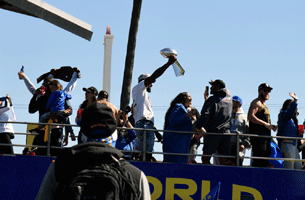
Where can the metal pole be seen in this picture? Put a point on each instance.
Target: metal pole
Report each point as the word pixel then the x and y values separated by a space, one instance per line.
pixel 49 140
pixel 237 149
pixel 144 145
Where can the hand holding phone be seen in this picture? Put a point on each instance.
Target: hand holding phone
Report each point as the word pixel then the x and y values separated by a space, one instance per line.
pixel 206 93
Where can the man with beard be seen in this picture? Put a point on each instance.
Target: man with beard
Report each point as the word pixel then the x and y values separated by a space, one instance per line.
pixel 215 118
pixel 143 113
pixel 260 124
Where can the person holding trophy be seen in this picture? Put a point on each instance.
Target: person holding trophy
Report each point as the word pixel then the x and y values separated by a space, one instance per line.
pixel 143 113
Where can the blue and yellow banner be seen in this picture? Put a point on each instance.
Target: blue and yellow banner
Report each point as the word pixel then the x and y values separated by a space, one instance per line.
pixel 21 177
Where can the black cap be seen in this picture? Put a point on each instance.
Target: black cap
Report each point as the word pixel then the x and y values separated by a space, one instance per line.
pixel 264 85
pixel 91 89
pixel 219 83
pixel 103 95
pixel 98 121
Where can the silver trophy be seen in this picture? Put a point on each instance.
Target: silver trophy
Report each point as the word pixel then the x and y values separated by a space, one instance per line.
pixel 166 52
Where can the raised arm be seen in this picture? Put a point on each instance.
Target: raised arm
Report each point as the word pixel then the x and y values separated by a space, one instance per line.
pixel 148 81
pixel 71 85
pixel 27 82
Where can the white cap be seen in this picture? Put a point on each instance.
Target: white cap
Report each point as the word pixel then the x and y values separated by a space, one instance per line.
pixel 143 76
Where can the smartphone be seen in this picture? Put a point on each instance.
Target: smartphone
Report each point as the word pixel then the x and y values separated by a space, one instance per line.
pixel 207 88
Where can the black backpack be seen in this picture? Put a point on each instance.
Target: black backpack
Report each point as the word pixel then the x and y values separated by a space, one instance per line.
pixel 93 171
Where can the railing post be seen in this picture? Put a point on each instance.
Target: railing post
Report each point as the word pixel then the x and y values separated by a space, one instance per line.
pixel 237 149
pixel 49 141
pixel 144 145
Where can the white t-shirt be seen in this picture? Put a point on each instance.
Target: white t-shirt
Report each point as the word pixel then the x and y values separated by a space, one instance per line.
pixel 141 103
pixel 7 114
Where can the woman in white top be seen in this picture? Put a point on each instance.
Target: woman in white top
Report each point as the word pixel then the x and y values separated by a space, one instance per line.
pixel 6 129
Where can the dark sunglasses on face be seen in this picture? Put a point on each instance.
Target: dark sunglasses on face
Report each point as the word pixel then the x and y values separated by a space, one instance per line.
pixel 267 90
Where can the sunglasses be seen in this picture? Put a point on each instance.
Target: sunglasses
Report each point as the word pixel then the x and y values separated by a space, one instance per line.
pixel 267 90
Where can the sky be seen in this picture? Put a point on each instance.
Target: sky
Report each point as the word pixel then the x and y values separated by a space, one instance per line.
pixel 243 43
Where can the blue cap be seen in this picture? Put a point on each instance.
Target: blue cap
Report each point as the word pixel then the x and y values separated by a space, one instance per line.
pixel 238 99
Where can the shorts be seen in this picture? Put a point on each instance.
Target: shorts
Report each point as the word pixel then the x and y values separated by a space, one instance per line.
pixel 220 143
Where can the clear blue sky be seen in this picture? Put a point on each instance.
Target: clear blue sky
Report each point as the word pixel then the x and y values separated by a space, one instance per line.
pixel 244 43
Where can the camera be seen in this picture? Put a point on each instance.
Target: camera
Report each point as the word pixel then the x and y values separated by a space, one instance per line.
pixel 127 109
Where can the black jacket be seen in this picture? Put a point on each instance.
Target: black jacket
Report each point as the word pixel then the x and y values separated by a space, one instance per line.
pixel 216 112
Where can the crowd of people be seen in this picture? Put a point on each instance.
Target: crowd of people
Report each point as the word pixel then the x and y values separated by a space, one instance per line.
pixel 185 129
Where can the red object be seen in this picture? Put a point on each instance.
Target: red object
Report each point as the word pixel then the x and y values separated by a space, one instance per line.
pixel 301 128
pixel 79 112
pixel 108 32
pixel 43 89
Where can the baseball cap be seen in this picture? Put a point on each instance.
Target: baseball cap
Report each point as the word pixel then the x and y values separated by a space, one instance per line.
pixel 264 85
pixel 143 76
pixel 91 89
pixel 98 121
pixel 103 94
pixel 219 83
pixel 238 99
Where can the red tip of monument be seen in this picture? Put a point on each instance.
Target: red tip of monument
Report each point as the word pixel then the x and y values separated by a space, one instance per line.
pixel 108 32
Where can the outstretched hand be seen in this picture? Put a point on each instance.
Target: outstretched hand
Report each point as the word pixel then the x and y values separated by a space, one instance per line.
pixel 294 96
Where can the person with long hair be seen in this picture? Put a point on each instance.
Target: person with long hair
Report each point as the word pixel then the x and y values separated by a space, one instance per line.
pixel 178 118
pixel 288 126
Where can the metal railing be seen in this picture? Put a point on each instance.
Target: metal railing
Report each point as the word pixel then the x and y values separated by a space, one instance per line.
pixel 144 152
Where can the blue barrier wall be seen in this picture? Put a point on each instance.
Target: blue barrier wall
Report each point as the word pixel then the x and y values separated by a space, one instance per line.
pixel 22 175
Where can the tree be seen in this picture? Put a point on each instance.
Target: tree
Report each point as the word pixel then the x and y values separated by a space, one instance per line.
pixel 131 46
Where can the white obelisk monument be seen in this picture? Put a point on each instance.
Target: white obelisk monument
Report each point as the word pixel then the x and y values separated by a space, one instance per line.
pixel 108 41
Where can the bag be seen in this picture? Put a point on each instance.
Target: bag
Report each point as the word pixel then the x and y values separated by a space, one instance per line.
pixel 93 172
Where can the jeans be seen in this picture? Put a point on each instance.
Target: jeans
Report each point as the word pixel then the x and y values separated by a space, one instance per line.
pixel 150 136
pixel 291 151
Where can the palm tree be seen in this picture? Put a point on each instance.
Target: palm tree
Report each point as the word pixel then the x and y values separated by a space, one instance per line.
pixel 131 46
